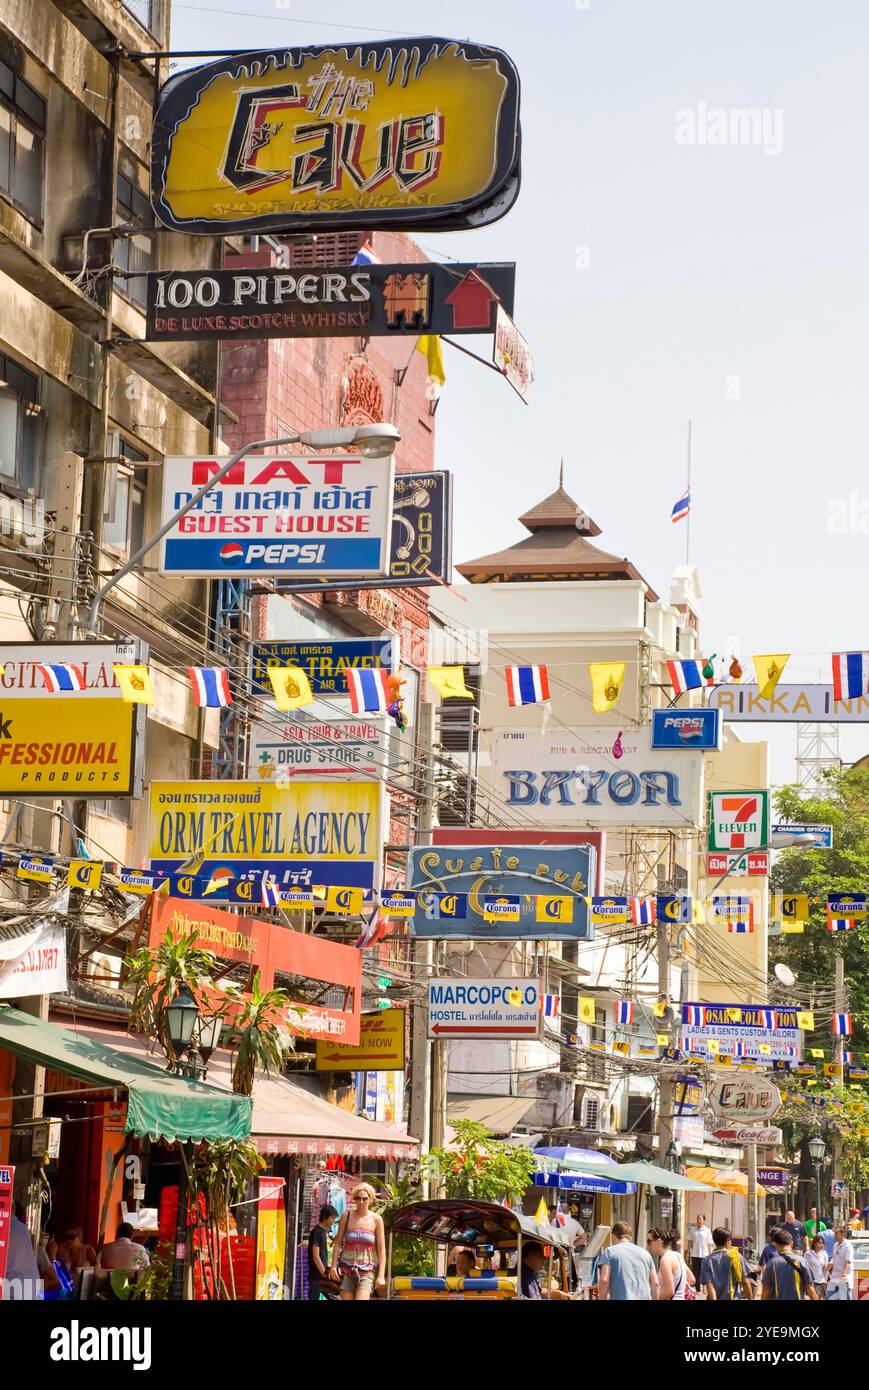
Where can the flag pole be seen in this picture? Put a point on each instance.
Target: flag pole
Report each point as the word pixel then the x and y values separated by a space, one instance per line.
pixel 688 518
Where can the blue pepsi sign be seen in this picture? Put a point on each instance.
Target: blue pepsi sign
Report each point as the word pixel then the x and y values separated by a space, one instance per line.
pixel 686 728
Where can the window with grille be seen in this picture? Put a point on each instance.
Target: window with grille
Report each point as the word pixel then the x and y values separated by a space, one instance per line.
pixel 124 499
pixel 20 426
pixel 135 255
pixel 22 143
pixel 591 1112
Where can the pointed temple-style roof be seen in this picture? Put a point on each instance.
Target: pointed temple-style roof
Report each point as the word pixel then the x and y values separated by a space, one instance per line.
pixel 558 548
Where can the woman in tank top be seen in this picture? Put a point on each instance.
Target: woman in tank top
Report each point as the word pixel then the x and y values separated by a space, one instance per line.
pixel 675 1276
pixel 359 1253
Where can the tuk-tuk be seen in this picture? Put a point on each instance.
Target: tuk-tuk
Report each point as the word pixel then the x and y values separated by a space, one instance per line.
pixel 485 1227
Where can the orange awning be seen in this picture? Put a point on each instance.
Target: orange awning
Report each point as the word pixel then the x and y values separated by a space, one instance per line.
pixel 725 1179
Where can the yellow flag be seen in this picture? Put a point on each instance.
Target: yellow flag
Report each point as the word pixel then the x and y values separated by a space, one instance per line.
pixel 291 686
pixel 790 907
pixel 712 1045
pixel 344 900
pixel 429 344
pixel 623 1047
pixel 542 1212
pixel 85 873
pixel 735 1015
pixel 806 1020
pixel 550 909
pixel 607 679
pixel 831 1069
pixel 816 1052
pixel 659 1008
pixel 765 1050
pixel 768 670
pixel 449 682
pixel 586 1011
pixel 724 1059
pixel 662 1039
pixel 135 683
pixel 792 928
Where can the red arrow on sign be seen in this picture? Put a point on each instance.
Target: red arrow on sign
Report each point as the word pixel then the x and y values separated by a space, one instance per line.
pixel 361 1057
pixel 511 1028
pixel 471 302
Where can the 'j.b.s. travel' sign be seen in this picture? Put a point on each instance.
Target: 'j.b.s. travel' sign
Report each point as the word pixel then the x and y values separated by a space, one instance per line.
pixel 324 662
pixel 420 132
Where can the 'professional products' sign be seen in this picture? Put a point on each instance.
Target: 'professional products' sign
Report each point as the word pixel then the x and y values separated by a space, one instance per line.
pixel 422 532
pixel 310 515
pixel 337 301
pixel 549 882
pixel 419 132
pixel 570 777
pixel 503 1008
pixel 788 704
pixel 303 834
pixel 324 662
pixel 85 742
pixel 317 747
pixel 696 728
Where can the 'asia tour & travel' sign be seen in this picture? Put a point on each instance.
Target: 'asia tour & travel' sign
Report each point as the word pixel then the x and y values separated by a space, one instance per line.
pixel 311 515
pixel 571 777
pixel 420 132
pixel 316 746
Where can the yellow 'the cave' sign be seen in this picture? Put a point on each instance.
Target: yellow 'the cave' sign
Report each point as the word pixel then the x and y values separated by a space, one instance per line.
pixel 421 132
pixel 381 1046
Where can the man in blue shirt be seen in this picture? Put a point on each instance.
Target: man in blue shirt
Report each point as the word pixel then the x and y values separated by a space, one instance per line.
pixel 533 1260
pixel 786 1278
pixel 625 1272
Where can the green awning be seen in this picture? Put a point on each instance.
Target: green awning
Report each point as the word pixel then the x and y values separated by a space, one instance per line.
pixel 159 1105
pixel 648 1173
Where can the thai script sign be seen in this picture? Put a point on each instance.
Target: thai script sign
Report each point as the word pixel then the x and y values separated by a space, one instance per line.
pixel 316 746
pixel 502 1008
pixel 323 661
pixel 314 514
pixel 419 133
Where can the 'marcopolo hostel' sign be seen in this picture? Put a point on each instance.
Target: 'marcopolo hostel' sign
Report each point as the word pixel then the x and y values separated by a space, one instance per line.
pixel 412 133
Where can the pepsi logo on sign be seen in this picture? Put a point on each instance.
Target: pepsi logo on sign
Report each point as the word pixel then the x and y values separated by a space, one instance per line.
pixel 695 728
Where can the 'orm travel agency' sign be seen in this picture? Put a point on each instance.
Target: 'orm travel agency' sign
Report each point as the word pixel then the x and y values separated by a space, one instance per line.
pixel 572 776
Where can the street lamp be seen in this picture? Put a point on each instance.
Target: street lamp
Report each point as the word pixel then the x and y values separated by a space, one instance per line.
pixel 817 1150
pixel 372 441
pixel 182 1015
pixel 207 1038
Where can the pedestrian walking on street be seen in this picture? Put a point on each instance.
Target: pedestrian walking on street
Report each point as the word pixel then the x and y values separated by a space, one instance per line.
pixel 840 1287
pixel 814 1226
pixel 797 1232
pixel 674 1276
pixel 786 1279
pixel 359 1254
pixel 318 1252
pixel 723 1274
pixel 819 1265
pixel 625 1272
pixel 701 1245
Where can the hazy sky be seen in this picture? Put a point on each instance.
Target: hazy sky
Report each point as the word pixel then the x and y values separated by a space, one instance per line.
pixel 722 282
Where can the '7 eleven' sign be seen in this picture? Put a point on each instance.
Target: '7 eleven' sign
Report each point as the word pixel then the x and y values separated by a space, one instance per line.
pixel 738 820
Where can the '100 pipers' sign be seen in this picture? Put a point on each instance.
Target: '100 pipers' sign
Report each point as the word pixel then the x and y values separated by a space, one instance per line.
pixel 570 777
pixel 312 515
pixel 419 133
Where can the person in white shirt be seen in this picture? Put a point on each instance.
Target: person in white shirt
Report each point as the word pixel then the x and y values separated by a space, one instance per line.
pixel 841 1282
pixel 702 1245
pixel 123 1252
pixel 22 1282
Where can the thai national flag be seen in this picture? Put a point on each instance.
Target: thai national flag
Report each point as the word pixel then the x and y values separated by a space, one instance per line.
pixel 61 676
pixel 210 687
pixel 642 911
pixel 625 1011
pixel 767 1018
pixel 846 1058
pixel 839 923
pixel 369 693
pixel 850 675
pixel 551 1005
pixel 841 1025
pixel 694 1015
pixel 526 685
pixel 270 893
pixel 688 675
pixel 366 255
pixel 682 507
pixel 742 926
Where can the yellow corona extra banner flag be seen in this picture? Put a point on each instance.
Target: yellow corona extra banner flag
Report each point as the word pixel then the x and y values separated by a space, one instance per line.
pixel 85 873
pixel 305 833
pixel 72 747
pixel 344 900
pixel 790 907
pixel 386 134
pixel 554 909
